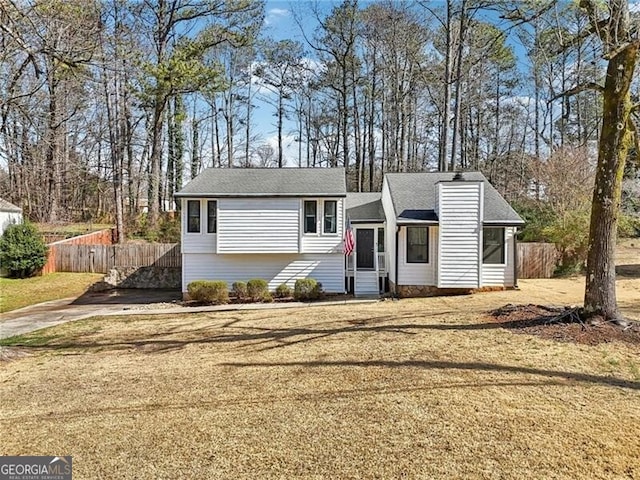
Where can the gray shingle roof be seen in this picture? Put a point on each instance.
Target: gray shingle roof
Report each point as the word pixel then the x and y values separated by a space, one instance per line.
pixel 8 207
pixel 267 182
pixel 414 196
pixel 364 206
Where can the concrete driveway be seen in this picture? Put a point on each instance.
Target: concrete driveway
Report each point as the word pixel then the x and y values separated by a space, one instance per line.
pixel 52 313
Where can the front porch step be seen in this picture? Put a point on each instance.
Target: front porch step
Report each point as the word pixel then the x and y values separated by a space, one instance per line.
pixel 366 284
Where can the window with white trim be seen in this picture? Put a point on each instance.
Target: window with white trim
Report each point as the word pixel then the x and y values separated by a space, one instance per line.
pixel 330 216
pixel 417 244
pixel 193 216
pixel 212 216
pixel 493 245
pixel 310 216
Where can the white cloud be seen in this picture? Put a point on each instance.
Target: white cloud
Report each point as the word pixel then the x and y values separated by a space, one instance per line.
pixel 280 12
pixel 275 14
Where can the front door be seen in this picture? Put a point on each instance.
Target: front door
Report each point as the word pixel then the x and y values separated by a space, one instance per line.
pixel 364 249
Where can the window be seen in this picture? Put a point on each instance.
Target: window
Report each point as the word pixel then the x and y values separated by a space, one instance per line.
pixel 193 216
pixel 493 245
pixel 330 216
pixel 212 206
pixel 380 240
pixel 417 245
pixel 310 209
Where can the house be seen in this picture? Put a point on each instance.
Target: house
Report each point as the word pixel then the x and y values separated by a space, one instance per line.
pixel 9 214
pixel 275 224
pixel 424 234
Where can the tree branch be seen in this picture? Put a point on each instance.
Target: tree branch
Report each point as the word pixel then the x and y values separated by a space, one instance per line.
pixel 520 18
pixel 636 134
pixel 577 89
pixel 593 27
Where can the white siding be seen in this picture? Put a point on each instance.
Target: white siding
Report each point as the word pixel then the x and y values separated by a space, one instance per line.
pixel 197 242
pixel 275 268
pixel 417 273
pixel 8 218
pixel 460 220
pixel 390 231
pixel 323 242
pixel 502 275
pixel 262 225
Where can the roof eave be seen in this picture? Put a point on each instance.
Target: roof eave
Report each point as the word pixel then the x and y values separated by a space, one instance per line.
pixel 504 223
pixel 404 222
pixel 259 195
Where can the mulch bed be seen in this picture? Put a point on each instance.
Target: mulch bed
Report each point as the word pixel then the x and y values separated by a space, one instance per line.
pixel 542 321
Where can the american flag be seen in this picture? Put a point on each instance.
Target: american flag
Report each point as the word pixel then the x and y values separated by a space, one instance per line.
pixel 349 242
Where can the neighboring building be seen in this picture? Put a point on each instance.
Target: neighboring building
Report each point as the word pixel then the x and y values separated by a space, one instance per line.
pixel 425 233
pixel 9 214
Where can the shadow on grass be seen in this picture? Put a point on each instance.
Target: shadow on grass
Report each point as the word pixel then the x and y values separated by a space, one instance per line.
pixel 630 271
pixel 264 338
pixel 444 365
pixel 260 400
pixel 258 339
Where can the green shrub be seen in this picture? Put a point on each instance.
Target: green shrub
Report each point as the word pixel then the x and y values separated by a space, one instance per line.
pixel 258 290
pixel 169 230
pixel 283 291
pixel 209 291
pixel 307 289
pixel 22 250
pixel 628 226
pixel 571 236
pixel 239 290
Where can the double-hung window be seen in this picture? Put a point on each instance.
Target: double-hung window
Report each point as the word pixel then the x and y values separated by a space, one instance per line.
pixel 310 216
pixel 330 216
pixel 493 245
pixel 212 207
pixel 193 216
pixel 417 244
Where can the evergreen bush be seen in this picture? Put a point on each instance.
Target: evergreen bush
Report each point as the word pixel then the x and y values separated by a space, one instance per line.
pixel 209 291
pixel 23 252
pixel 258 290
pixel 307 289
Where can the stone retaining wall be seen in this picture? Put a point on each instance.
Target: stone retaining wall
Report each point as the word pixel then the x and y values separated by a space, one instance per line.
pixel 142 277
pixel 410 291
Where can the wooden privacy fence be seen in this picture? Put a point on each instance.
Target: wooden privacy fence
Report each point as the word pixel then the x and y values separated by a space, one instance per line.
pixel 101 237
pixel 537 260
pixel 102 258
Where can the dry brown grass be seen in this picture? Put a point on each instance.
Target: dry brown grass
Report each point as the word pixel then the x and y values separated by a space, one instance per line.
pixel 411 389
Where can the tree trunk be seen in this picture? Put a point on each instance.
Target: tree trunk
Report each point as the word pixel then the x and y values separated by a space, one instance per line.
pixel 446 111
pixel 615 141
pixel 280 126
pixel 154 167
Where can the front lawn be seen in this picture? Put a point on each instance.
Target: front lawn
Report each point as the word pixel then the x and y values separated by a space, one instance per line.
pixel 21 292
pixel 425 388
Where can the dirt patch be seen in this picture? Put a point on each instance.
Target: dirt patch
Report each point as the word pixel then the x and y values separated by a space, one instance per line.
pixel 542 321
pixel 8 354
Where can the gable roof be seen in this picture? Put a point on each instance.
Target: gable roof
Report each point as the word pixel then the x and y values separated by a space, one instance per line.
pixel 267 182
pixel 414 198
pixel 8 207
pixel 364 206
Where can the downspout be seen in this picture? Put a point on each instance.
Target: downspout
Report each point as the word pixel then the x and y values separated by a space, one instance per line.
pixel 515 259
pixel 395 283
